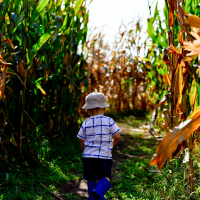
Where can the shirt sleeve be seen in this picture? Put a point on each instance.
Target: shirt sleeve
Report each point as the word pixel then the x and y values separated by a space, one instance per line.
pixel 81 133
pixel 113 127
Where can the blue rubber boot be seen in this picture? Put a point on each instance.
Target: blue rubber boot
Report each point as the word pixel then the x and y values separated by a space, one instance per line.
pixel 91 186
pixel 102 187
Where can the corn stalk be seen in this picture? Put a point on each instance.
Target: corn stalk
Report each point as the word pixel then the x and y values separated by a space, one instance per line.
pixel 38 90
pixel 182 135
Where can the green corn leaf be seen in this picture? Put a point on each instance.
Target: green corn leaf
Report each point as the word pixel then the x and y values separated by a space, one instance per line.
pixel 17 3
pixel 37 84
pixel 5 9
pixel 161 71
pixel 151 30
pixel 39 10
pixel 188 6
pixel 144 59
pixel 12 139
pixel 77 6
pixel 155 13
pixel 29 55
pixel 65 23
pixel 40 88
pixel 40 43
pixel 198 92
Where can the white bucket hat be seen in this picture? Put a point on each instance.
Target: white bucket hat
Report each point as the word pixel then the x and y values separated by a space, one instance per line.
pixel 95 100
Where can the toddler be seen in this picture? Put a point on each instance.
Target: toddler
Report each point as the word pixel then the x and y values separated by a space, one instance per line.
pixel 98 135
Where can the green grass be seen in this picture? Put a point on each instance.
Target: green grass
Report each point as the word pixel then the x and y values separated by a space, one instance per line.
pixel 133 177
pixel 59 158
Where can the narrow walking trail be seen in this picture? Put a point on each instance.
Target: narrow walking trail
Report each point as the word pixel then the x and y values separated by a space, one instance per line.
pixel 135 143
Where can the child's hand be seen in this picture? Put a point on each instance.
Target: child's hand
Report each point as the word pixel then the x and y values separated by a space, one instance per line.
pixel 82 144
pixel 116 138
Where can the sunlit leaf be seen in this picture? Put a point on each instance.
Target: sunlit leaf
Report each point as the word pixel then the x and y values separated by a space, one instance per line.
pixel 171 13
pixel 175 137
pixel 193 92
pixel 180 34
pixel 37 84
pixel 167 79
pixel 144 59
pixel 192 20
pixel 39 10
pixel 179 86
pixel 12 139
pixel 41 42
pixel 193 47
pixel 77 6
pixel 196 145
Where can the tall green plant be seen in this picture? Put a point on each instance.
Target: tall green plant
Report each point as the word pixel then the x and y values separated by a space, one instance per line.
pixel 42 93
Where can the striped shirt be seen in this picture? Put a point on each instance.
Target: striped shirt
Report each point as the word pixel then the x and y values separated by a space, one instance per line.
pixel 97 131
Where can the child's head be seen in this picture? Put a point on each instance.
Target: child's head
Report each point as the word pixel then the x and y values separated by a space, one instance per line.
pixel 95 102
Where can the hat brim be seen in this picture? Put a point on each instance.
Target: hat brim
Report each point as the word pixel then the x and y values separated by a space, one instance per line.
pixel 95 105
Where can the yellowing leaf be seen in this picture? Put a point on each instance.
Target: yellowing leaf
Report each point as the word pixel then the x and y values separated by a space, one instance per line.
pixel 22 70
pixel 10 43
pixel 175 137
pixel 167 79
pixel 3 81
pixel 193 20
pixel 180 87
pixel 196 145
pixel 193 92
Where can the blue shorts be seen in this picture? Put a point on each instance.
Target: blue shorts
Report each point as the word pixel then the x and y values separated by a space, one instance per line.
pixel 95 168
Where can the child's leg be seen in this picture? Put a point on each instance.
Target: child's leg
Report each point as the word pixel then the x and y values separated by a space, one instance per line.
pixel 104 177
pixel 91 186
pixel 102 187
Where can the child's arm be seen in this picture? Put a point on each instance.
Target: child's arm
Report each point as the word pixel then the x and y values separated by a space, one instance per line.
pixel 116 138
pixel 82 144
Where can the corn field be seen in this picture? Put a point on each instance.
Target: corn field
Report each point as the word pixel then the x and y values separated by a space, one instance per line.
pixel 41 70
pixel 48 66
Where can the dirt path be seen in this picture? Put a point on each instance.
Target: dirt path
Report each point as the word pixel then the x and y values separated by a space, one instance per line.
pixel 126 148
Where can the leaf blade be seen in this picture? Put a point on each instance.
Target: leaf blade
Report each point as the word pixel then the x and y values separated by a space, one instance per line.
pixel 39 10
pixel 175 137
